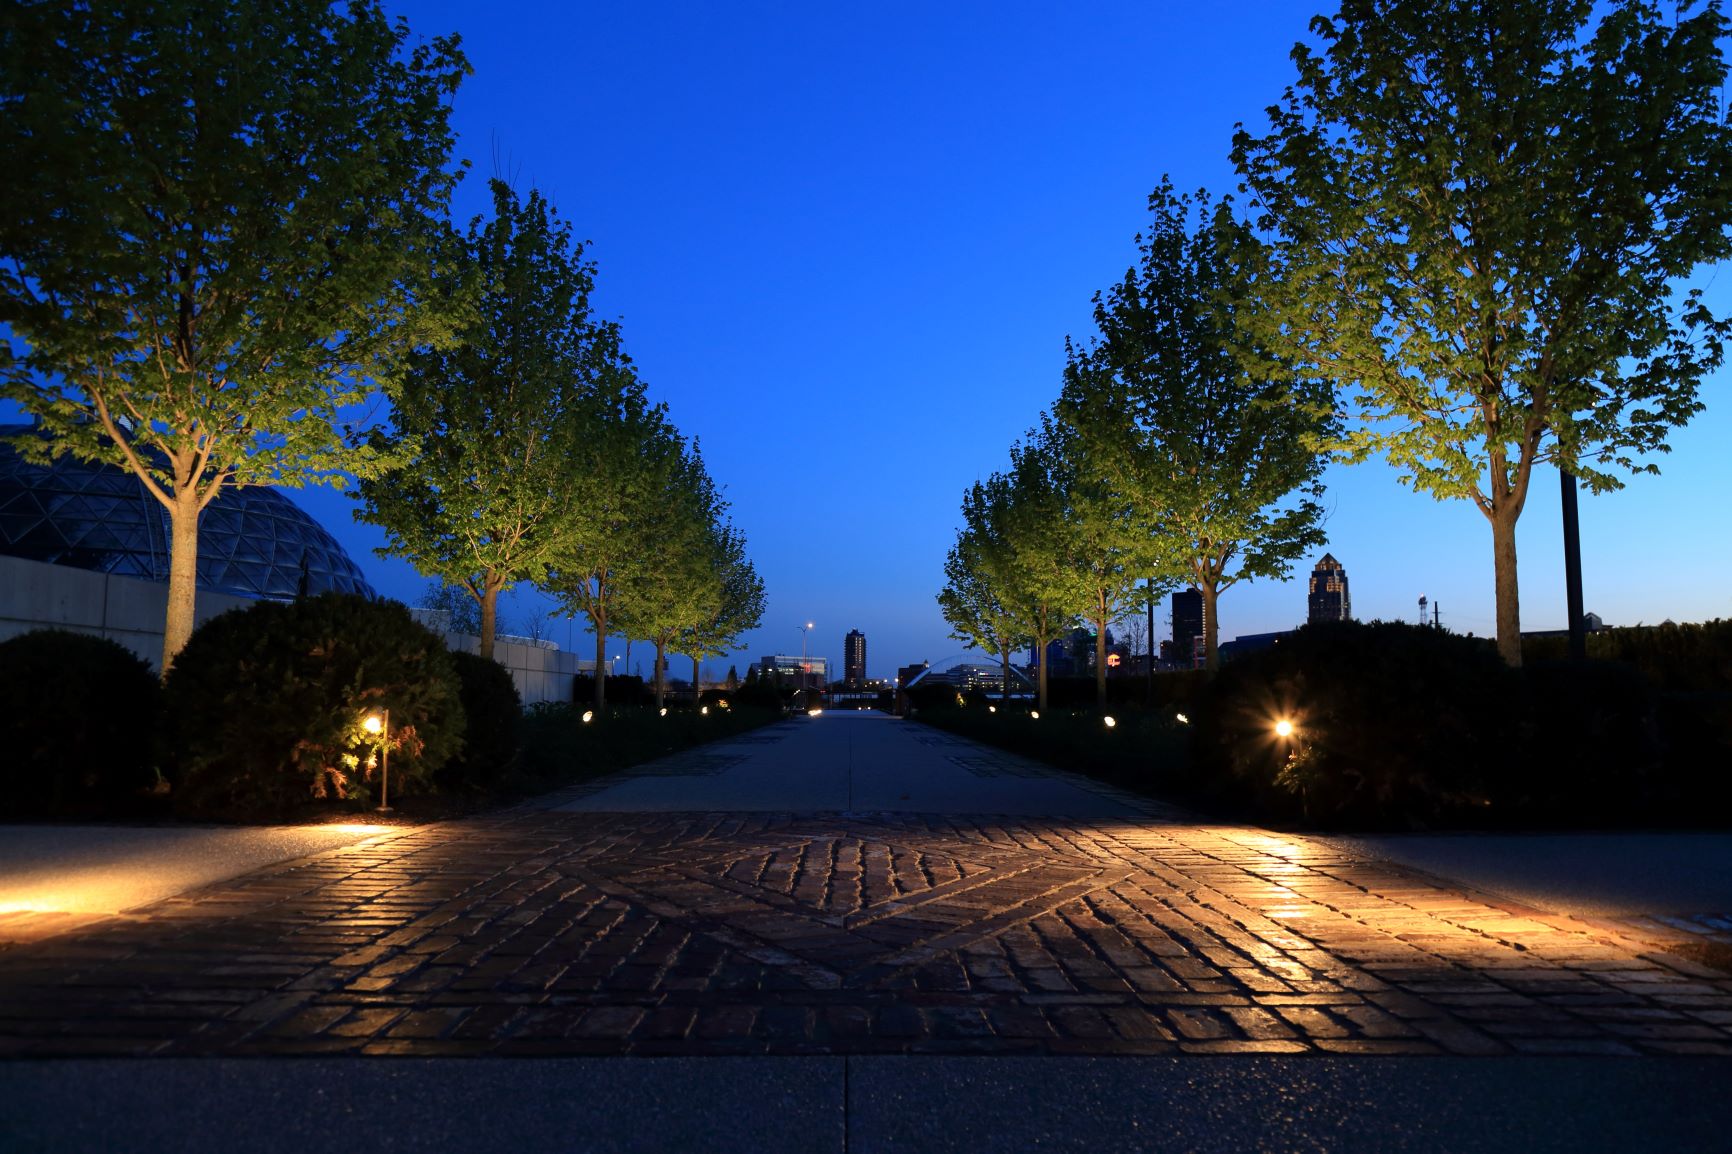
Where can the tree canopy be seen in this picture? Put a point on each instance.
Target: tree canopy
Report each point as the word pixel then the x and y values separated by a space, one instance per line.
pixel 1482 216
pixel 217 230
pixel 493 425
pixel 1174 400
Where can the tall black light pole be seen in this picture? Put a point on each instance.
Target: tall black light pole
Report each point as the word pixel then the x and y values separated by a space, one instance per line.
pixel 1149 657
pixel 1573 566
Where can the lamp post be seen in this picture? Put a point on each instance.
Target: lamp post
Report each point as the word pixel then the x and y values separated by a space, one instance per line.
pixel 805 666
pixel 379 724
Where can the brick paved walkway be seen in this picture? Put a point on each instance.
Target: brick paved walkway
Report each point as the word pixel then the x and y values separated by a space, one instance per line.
pixel 537 931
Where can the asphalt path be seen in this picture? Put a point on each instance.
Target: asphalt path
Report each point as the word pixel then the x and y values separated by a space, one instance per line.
pixel 1608 875
pixel 847 761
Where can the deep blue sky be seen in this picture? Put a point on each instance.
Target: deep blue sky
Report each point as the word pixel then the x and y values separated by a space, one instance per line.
pixel 847 242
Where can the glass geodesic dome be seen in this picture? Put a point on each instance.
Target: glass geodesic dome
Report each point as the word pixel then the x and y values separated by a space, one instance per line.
pixel 253 542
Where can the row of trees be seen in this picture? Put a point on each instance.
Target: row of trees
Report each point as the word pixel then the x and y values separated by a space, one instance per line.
pixel 1171 456
pixel 228 236
pixel 1468 227
pixel 534 455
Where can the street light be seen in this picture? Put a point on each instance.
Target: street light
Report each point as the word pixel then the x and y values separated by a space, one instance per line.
pixel 1283 728
pixel 379 724
pixel 805 666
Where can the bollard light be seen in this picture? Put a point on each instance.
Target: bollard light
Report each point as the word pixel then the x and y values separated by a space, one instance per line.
pixel 588 716
pixel 379 724
pixel 1183 720
pixel 704 711
pixel 1110 722
pixel 1035 714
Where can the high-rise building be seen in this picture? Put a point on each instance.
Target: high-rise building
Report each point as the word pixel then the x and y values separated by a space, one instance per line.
pixel 1328 600
pixel 1187 619
pixel 854 659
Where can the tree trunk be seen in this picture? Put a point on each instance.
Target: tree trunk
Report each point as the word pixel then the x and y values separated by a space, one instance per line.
pixel 1211 628
pixel 697 681
pixel 1101 659
pixel 1509 617
pixel 1149 650
pixel 661 675
pixel 182 577
pixel 1040 686
pixel 1004 686
pixel 489 613
pixel 599 699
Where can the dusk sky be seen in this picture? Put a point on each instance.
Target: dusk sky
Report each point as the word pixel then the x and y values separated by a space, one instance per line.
pixel 847 243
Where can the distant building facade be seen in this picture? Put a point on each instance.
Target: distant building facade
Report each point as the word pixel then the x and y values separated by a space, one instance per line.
pixel 854 659
pixel 800 672
pixel 1187 612
pixel 1328 599
pixel 906 675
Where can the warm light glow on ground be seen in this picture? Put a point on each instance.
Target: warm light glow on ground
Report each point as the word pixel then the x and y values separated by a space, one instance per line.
pixel 109 869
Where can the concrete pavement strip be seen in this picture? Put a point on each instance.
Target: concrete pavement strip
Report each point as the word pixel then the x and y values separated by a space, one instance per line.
pixel 721 1105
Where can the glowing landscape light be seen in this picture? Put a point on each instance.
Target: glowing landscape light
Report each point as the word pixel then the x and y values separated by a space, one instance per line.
pixel 1283 728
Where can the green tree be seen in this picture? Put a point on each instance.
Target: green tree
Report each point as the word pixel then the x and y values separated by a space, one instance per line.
pixel 1483 212
pixel 1174 402
pixel 622 468
pixel 1111 546
pixel 465 614
pixel 740 606
pixel 970 601
pixel 216 232
pixel 493 423
pixel 1029 558
pixel 669 582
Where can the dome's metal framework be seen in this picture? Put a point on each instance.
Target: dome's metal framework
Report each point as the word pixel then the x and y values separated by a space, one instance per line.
pixel 253 542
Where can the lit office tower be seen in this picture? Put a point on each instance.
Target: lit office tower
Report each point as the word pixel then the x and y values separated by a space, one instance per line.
pixel 854 659
pixel 1328 598
pixel 1187 612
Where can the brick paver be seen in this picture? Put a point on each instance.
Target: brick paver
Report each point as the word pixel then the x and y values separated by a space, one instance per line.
pixel 541 932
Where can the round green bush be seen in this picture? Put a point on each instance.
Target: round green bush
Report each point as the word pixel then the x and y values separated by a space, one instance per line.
pixel 265 707
pixel 77 718
pixel 1394 725
pixel 492 713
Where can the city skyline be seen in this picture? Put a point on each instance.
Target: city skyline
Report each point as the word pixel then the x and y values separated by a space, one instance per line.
pixel 814 221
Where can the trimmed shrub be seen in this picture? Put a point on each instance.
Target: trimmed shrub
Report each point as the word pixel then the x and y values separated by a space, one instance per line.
pixel 621 689
pixel 77 720
pixel 1394 724
pixel 930 695
pixel 492 713
pixel 1174 689
pixel 1689 658
pixel 265 705
pixel 558 745
pixel 1592 747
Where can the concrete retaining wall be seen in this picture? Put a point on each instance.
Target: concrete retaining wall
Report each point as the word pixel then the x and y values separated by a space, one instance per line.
pixel 124 609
